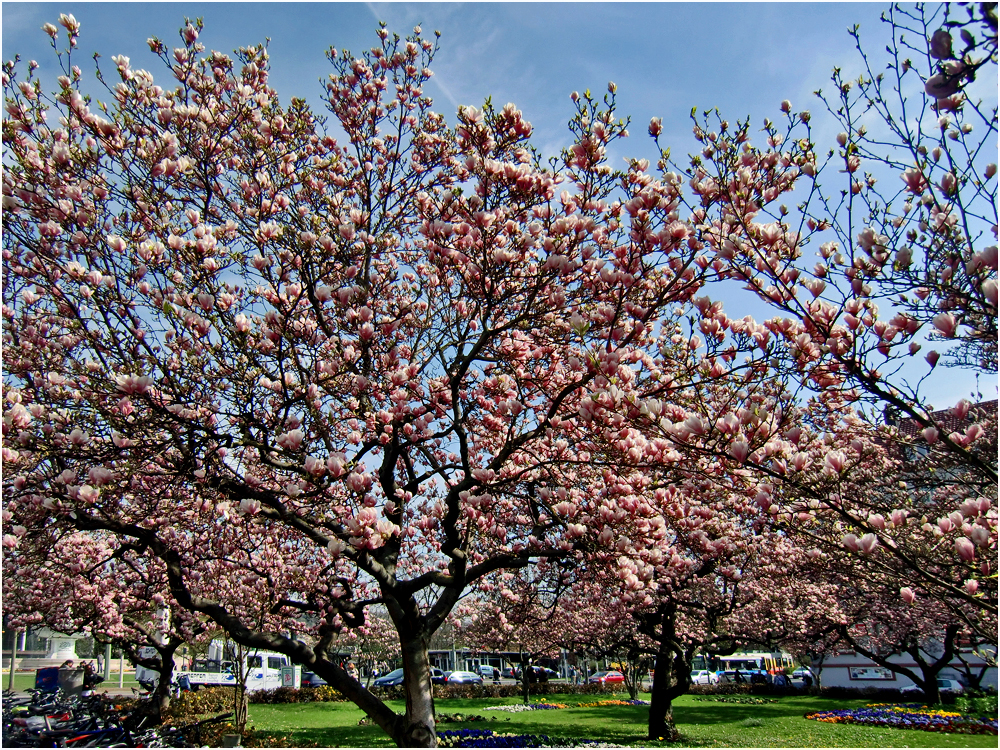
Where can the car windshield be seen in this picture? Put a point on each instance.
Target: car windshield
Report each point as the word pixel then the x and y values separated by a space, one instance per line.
pixel 395 673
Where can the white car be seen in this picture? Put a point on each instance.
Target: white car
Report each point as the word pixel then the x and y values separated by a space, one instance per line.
pixel 704 677
pixel 945 687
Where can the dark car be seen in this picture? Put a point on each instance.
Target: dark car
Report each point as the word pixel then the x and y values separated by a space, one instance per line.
pixel 438 677
pixel 509 673
pixel 392 679
pixel 464 678
pixel 311 679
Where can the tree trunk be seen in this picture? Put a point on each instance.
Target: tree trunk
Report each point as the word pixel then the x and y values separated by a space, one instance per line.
pixel 930 690
pixel 661 711
pixel 671 679
pixel 161 697
pixel 416 727
pixel 153 710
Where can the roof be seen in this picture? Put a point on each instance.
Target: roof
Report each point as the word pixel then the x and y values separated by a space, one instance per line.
pixel 947 422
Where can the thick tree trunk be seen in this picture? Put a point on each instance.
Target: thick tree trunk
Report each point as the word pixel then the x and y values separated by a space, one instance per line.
pixel 661 712
pixel 671 679
pixel 161 696
pixel 153 710
pixel 416 728
pixel 930 690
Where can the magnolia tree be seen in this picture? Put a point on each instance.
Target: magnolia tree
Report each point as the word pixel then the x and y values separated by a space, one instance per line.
pixel 351 374
pixel 880 624
pixel 83 582
pixel 545 611
pixel 717 578
pixel 896 271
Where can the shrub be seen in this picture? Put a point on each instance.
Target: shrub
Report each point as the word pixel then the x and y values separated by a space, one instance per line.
pixel 320 694
pixel 977 704
pixel 187 706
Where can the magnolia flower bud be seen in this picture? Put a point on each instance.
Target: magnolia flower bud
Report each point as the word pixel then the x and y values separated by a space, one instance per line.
pixel 940 47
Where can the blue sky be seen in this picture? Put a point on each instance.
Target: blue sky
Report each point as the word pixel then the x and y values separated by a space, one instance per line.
pixel 665 58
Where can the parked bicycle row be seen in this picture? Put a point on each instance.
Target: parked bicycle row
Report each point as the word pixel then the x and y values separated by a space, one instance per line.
pixel 52 718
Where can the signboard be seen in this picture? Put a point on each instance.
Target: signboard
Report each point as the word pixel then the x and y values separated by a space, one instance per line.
pixel 288 677
pixel 870 673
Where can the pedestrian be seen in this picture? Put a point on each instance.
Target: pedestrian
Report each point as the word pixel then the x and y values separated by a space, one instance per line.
pixel 739 677
pixel 90 678
pixel 68 664
pixel 496 676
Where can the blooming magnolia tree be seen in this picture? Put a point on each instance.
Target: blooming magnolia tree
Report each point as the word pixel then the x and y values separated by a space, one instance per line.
pixel 921 252
pixel 379 372
pixel 83 582
pixel 344 375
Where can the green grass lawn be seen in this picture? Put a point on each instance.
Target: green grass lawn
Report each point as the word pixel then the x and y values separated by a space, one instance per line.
pixel 701 723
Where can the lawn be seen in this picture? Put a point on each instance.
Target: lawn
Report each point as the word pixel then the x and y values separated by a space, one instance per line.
pixel 701 723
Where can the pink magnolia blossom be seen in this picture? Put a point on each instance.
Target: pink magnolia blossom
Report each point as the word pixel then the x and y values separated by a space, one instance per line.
pixel 835 461
pixel 739 450
pixel 851 542
pixel 965 548
pixel 989 288
pixel 915 181
pixel 134 385
pixel 907 595
pixel 336 464
pixel 941 86
pixel 940 46
pixel 89 494
pixel 315 466
pixel 291 440
pixel 869 543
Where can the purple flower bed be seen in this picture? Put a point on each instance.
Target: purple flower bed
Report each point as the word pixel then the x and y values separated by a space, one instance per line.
pixel 909 716
pixel 489 738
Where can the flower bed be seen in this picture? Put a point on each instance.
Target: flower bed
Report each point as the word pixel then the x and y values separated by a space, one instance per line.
pixel 516 708
pixel 489 738
pixel 613 703
pixel 909 716
pixel 743 699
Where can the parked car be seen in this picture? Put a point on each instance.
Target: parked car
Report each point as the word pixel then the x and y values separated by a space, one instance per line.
pixel 311 679
pixel 609 676
pixel 945 687
pixel 486 670
pixel 704 677
pixel 393 678
pixel 464 678
pixel 438 677
pixel 509 673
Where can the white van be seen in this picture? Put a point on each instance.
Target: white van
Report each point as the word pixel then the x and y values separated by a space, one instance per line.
pixel 265 670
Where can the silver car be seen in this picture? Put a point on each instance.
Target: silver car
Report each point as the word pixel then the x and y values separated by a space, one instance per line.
pixel 704 677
